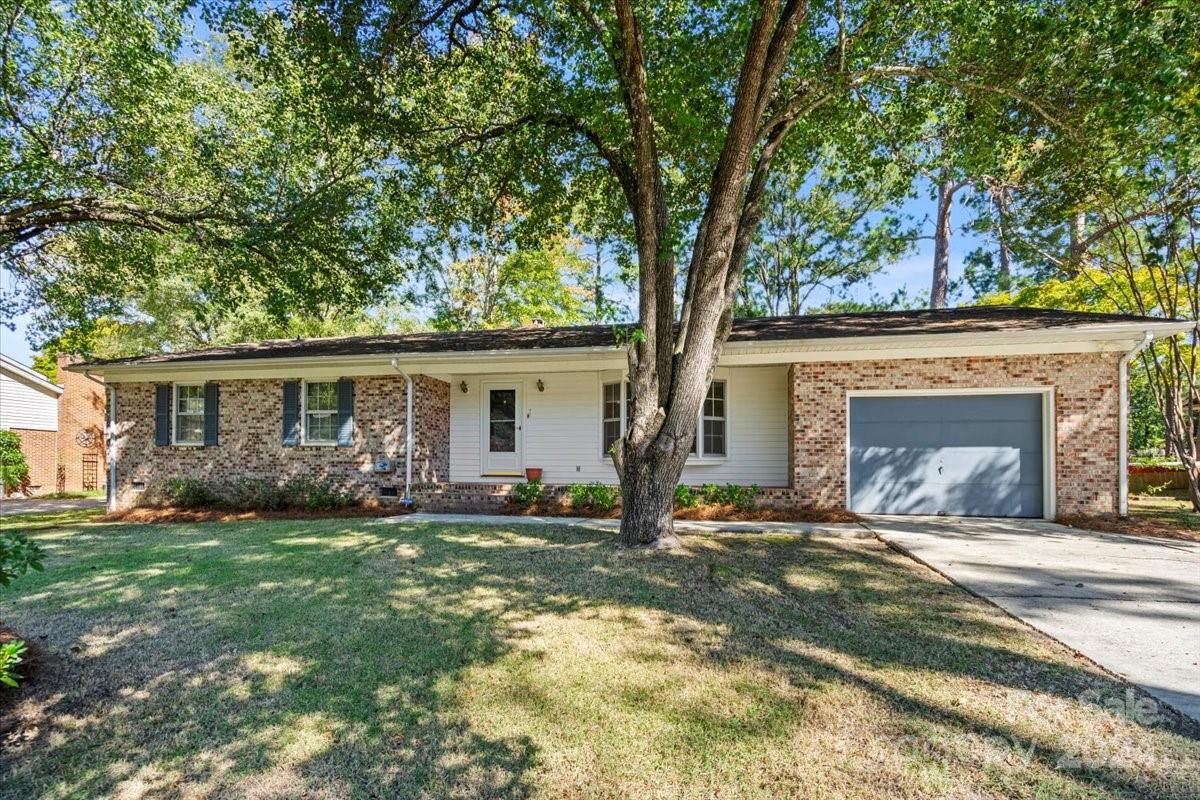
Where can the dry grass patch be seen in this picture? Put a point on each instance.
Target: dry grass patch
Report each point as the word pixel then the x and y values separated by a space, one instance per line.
pixel 350 658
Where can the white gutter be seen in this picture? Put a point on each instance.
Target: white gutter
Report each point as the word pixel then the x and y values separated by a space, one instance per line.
pixel 110 452
pixel 1123 424
pixel 408 431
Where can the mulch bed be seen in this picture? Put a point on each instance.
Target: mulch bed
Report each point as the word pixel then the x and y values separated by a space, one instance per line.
pixel 1133 526
pixel 704 513
pixel 732 514
pixel 152 515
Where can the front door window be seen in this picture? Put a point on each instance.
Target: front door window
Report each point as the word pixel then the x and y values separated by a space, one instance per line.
pixel 502 420
pixel 502 429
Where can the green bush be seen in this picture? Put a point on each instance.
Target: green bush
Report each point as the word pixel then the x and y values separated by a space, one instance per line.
pixel 526 494
pixel 18 555
pixel 685 497
pixel 595 496
pixel 313 494
pixel 14 470
pixel 184 493
pixel 252 494
pixel 10 656
pixel 249 494
pixel 740 497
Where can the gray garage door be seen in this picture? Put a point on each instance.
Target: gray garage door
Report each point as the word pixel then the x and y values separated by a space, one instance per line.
pixel 967 455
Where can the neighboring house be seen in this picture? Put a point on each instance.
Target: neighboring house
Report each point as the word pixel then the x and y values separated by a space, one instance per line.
pixel 979 411
pixel 29 408
pixel 61 425
pixel 81 421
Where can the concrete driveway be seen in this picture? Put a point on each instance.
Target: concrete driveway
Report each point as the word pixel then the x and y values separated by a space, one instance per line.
pixel 38 505
pixel 1130 604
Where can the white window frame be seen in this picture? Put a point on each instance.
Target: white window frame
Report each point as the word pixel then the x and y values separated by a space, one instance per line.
pixel 304 437
pixel 700 455
pixel 697 456
pixel 622 402
pixel 175 440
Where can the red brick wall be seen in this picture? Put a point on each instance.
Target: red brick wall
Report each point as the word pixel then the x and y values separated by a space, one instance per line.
pixel 41 453
pixel 1085 403
pixel 250 433
pixel 81 420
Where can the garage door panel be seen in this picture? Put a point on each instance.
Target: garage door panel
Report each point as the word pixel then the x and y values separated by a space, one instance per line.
pixel 971 455
pixel 912 435
pixel 994 433
pixel 920 498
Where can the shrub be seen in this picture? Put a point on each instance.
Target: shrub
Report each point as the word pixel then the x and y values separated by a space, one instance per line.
pixel 740 497
pixel 249 494
pixel 595 496
pixel 685 497
pixel 527 494
pixel 18 555
pixel 252 494
pixel 183 493
pixel 14 470
pixel 314 495
pixel 10 656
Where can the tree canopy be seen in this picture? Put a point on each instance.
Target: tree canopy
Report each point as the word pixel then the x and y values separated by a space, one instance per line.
pixel 319 151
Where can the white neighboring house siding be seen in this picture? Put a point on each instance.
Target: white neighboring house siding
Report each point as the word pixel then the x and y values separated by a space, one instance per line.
pixel 561 428
pixel 27 403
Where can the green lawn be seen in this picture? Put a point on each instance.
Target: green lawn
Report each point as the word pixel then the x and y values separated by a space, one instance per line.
pixel 349 658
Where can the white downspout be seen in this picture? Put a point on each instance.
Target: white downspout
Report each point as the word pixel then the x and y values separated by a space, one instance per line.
pixel 408 431
pixel 110 441
pixel 1123 424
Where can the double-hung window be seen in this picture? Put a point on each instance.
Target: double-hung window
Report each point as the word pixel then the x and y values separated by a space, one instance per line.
pixel 712 422
pixel 189 413
pixel 711 427
pixel 613 416
pixel 320 412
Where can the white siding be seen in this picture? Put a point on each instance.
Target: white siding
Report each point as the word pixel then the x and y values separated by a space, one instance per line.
pixel 562 428
pixel 23 405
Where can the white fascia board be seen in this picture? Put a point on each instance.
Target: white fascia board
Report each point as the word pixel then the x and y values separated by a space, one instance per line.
pixel 1103 337
pixel 28 375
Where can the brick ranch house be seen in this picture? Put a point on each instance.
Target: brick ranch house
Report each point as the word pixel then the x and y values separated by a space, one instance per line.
pixel 61 425
pixel 991 411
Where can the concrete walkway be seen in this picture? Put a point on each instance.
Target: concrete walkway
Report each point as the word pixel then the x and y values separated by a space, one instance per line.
pixel 839 530
pixel 40 505
pixel 1131 604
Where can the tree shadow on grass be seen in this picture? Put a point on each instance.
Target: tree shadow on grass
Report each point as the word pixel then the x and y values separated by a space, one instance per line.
pixel 338 658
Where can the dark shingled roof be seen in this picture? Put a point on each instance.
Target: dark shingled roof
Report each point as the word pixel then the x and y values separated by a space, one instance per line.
pixel 978 319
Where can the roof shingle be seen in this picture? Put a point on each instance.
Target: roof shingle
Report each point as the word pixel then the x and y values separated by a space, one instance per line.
pixel 974 319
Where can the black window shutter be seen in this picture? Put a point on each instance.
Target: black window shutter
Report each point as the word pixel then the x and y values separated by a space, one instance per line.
pixel 345 413
pixel 162 414
pixel 291 413
pixel 212 412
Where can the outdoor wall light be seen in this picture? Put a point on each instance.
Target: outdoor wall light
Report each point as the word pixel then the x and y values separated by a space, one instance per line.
pixel 463 386
pixel 541 386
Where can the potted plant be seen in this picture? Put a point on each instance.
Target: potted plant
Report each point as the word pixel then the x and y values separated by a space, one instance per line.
pixel 533 474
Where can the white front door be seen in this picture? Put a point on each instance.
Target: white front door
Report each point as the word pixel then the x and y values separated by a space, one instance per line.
pixel 502 429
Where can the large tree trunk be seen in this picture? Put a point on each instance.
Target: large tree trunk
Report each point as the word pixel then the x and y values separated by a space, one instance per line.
pixel 648 498
pixel 941 245
pixel 1004 280
pixel 1078 248
pixel 671 368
